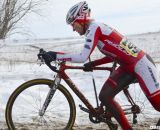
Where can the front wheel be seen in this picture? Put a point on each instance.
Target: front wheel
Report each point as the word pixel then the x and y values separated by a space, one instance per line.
pixel 24 105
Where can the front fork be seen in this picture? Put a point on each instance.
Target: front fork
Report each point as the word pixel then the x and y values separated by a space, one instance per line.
pixel 53 88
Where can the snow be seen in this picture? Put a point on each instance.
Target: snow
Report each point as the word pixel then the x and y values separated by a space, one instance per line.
pixel 18 64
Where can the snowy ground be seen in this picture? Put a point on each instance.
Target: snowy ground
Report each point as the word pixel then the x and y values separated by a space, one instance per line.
pixel 18 64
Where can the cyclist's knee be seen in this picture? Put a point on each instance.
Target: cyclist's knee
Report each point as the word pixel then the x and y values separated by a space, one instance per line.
pixel 107 91
pixel 104 98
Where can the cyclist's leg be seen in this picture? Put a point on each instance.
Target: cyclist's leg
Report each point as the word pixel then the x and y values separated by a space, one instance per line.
pixel 146 73
pixel 116 82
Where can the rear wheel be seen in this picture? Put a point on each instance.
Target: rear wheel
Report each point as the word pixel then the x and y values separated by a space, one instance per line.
pixel 24 105
pixel 147 116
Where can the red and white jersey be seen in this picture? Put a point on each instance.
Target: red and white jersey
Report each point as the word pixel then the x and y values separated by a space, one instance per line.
pixel 111 43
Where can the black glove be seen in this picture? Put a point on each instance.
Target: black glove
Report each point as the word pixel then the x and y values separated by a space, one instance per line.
pixel 88 66
pixel 49 56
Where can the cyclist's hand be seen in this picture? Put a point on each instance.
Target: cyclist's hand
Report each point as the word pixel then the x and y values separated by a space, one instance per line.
pixel 88 66
pixel 48 56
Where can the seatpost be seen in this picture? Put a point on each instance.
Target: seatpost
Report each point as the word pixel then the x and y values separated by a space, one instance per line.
pixel 114 66
pixel 94 85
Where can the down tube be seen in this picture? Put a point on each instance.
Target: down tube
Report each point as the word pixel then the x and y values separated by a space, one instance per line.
pixel 78 93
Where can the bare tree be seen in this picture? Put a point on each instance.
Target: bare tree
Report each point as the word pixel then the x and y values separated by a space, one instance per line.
pixel 12 12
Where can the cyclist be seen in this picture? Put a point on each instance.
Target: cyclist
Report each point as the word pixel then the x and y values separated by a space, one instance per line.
pixel 134 62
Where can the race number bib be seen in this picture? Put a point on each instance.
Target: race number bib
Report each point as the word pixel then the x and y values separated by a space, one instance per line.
pixel 130 48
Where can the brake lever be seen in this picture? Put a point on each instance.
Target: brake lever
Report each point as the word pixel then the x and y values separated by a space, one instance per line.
pixel 41 52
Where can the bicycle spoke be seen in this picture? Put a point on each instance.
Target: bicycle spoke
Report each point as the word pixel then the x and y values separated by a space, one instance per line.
pixel 40 99
pixel 33 97
pixel 30 103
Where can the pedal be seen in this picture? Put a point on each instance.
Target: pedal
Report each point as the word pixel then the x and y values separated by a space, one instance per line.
pixel 135 119
pixel 84 109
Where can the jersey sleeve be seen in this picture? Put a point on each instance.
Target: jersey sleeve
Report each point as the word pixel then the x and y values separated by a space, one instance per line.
pixel 91 39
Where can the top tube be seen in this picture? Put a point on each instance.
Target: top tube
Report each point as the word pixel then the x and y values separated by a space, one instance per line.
pixel 63 67
pixel 94 68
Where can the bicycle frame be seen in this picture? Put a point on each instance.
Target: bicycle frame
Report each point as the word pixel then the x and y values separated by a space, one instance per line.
pixel 75 89
pixel 61 74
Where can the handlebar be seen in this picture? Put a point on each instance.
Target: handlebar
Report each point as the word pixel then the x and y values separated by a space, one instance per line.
pixel 54 68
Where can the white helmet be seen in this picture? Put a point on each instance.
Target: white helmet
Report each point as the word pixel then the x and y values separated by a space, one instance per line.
pixel 80 12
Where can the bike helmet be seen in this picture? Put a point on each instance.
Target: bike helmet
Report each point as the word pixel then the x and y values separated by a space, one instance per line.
pixel 79 12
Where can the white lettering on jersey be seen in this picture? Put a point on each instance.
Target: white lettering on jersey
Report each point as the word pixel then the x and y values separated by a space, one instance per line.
pixel 126 47
pixel 147 71
pixel 109 41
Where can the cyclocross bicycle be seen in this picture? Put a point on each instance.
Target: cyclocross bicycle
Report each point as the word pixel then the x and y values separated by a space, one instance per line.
pixel 47 105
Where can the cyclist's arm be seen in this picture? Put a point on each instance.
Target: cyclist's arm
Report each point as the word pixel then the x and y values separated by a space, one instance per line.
pixel 90 43
pixel 101 61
